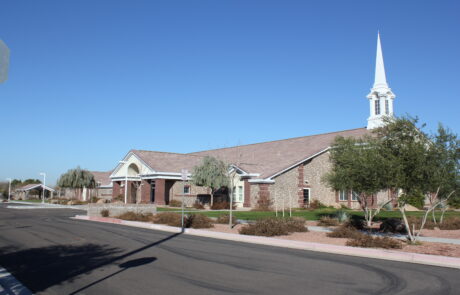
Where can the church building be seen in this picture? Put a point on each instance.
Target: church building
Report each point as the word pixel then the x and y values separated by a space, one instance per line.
pixel 285 173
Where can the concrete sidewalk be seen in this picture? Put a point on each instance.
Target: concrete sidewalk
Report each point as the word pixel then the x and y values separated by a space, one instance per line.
pixel 393 255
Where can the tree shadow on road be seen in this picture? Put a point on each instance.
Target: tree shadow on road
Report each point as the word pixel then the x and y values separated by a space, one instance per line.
pixel 41 268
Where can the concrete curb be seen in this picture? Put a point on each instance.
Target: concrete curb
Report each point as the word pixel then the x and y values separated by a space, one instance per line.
pixel 10 286
pixel 435 260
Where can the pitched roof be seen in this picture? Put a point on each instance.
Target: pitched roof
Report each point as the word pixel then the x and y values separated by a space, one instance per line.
pixel 103 178
pixel 32 186
pixel 266 158
pixel 168 162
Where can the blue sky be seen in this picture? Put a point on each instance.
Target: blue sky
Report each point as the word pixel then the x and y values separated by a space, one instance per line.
pixel 90 80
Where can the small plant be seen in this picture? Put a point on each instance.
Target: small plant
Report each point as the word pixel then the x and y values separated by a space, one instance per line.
pixel 168 218
pixel 328 221
pixel 198 221
pixel 225 218
pixel 316 204
pixel 342 216
pixel 296 224
pixel 393 225
pixel 388 207
pixel 133 216
pixel 367 241
pixel 198 206
pixel 175 203
pixel 345 232
pixel 105 213
pixel 269 227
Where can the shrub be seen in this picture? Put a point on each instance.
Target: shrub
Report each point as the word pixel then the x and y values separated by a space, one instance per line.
pixel 133 216
pixel 328 221
pixel 269 227
pixel 222 205
pixel 175 203
pixel 168 218
pixel 296 224
pixel 393 225
pixel 345 232
pixel 120 198
pixel 342 216
pixel 198 205
pixel 356 223
pixel 198 221
pixel 225 218
pixel 451 223
pixel 94 199
pixel 316 204
pixel 374 242
pixel 105 213
pixel 388 207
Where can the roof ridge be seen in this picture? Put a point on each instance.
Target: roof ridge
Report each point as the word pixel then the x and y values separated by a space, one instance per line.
pixel 181 154
pixel 277 140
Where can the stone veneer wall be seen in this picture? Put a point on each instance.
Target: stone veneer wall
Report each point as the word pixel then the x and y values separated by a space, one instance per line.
pixel 254 192
pixel 176 190
pixel 284 190
pixel 313 173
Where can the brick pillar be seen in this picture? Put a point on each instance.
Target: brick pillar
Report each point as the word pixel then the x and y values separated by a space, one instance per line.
pixel 128 192
pixel 264 195
pixel 247 194
pixel 160 191
pixel 300 185
pixel 115 189
pixel 145 191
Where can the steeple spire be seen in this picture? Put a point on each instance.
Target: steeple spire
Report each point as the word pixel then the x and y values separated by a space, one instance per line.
pixel 381 97
pixel 380 77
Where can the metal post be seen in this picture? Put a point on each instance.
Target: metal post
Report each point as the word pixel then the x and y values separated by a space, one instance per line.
pixel 44 186
pixel 9 189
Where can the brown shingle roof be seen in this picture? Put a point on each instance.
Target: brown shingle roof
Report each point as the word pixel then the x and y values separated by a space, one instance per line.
pixel 102 177
pixel 168 162
pixel 266 158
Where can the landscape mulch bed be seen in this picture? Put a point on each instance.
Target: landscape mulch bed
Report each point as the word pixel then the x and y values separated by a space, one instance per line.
pixel 320 237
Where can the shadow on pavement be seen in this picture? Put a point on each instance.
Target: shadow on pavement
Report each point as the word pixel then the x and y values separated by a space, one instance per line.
pixel 41 268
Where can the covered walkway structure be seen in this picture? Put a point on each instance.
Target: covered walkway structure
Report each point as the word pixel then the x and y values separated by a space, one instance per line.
pixel 33 191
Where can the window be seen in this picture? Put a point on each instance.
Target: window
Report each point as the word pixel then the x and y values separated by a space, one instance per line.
pixel 387 107
pixel 343 196
pixel 377 107
pixel 240 194
pixel 306 196
pixel 186 189
pixel 234 194
pixel 354 196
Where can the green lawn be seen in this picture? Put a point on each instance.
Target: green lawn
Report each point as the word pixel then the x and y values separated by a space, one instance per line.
pixel 307 214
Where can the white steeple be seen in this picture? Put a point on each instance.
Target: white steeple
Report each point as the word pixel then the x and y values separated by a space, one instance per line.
pixel 381 97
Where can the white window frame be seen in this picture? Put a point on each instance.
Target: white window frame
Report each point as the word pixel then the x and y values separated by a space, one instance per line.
pixel 188 190
pixel 240 193
pixel 377 106
pixel 354 197
pixel 343 196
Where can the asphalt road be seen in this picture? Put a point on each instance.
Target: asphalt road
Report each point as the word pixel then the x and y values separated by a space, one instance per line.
pixel 52 254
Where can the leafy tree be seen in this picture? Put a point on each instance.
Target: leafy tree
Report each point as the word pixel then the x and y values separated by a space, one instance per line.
pixel 212 173
pixel 399 156
pixel 358 165
pixel 77 179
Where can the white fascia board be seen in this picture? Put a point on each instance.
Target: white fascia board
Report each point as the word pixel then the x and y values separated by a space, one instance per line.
pixel 298 163
pixel 117 168
pixel 261 181
pixel 164 175
pixel 122 178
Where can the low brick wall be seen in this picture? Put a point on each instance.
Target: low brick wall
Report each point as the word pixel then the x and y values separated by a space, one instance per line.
pixel 118 209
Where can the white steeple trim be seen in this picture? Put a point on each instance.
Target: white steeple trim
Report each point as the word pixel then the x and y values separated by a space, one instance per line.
pixel 380 77
pixel 381 97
